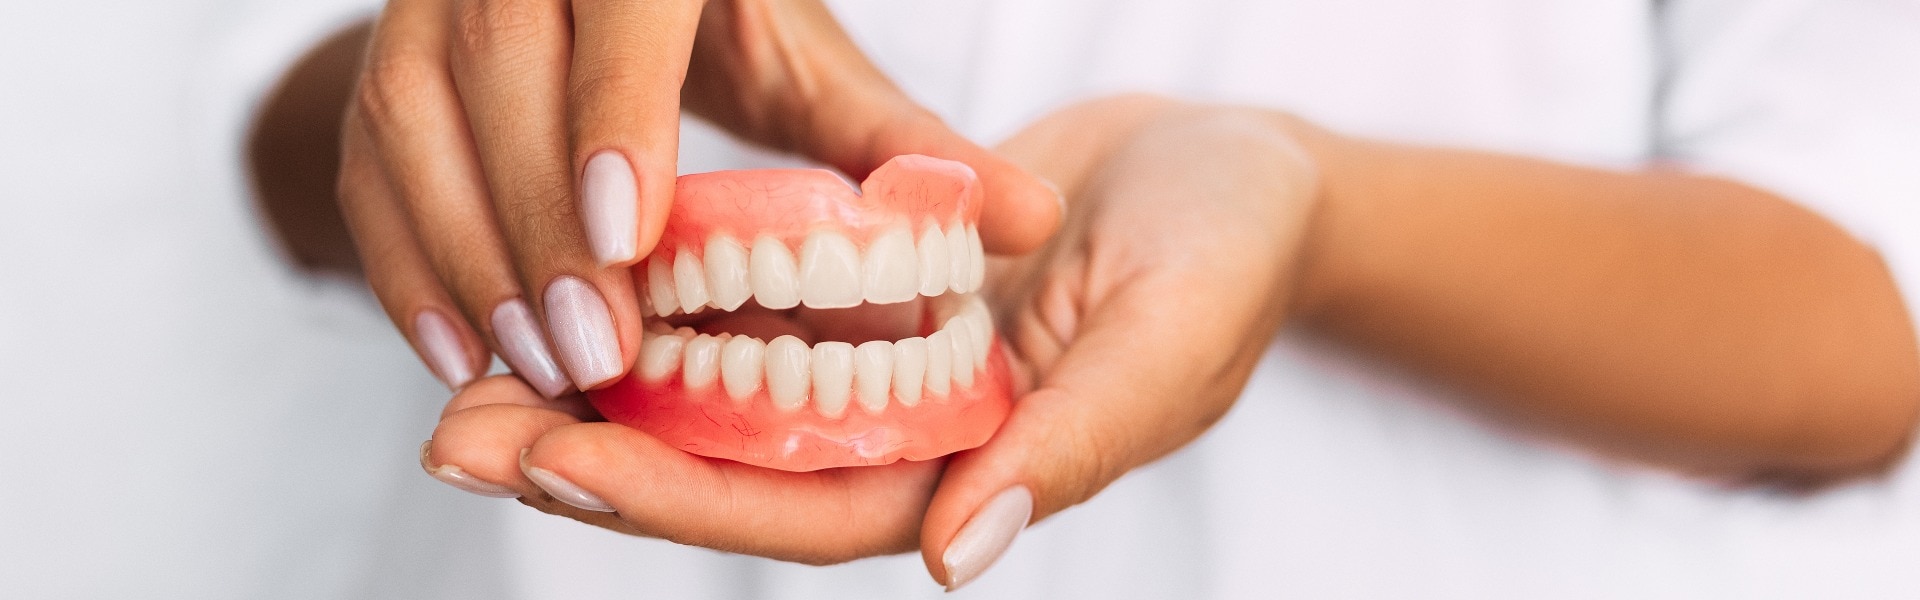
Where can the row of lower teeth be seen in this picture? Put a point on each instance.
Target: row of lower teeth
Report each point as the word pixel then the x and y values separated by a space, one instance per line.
pixel 830 272
pixel 829 374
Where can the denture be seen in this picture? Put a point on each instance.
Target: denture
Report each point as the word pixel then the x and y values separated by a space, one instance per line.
pixel 799 324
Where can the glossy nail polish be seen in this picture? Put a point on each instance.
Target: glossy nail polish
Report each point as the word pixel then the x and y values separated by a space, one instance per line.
pixel 561 489
pixel 454 476
pixel 582 330
pixel 987 535
pixel 525 348
pixel 446 354
pixel 609 204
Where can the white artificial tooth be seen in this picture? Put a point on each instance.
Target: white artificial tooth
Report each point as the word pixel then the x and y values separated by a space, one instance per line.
pixel 702 364
pixel 685 333
pixel 932 252
pixel 659 328
pixel 646 305
pixel 829 271
pixel 958 265
pixel 660 356
pixel 962 337
pixel 873 374
pixel 689 280
pixel 660 287
pixel 909 369
pixel 977 257
pixel 743 361
pixel 940 363
pixel 889 269
pixel 774 274
pixel 788 372
pixel 981 321
pixel 726 262
pixel 832 378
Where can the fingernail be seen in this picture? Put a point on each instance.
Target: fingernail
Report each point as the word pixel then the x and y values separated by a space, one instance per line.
pixel 446 354
pixel 525 349
pixel 987 535
pixel 609 203
pixel 561 489
pixel 454 476
pixel 582 330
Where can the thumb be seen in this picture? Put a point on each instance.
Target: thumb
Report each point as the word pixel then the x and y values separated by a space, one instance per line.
pixel 1107 405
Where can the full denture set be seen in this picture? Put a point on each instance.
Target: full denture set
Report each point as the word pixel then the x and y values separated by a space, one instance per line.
pixel 786 239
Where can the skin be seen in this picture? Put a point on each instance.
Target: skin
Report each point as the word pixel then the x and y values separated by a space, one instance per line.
pixel 472 120
pixel 1685 321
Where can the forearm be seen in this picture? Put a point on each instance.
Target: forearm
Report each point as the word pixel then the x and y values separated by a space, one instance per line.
pixel 1673 318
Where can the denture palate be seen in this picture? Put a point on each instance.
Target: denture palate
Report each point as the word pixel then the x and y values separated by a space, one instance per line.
pixel 828 271
pixel 829 376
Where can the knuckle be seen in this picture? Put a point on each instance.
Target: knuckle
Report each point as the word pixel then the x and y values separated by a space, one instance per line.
pixel 491 25
pixel 391 90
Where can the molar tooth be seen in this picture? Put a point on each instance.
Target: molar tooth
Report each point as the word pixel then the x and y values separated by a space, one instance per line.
pixel 726 262
pixel 829 271
pixel 743 361
pixel 776 279
pixel 888 267
pixel 659 328
pixel 788 372
pixel 702 364
pixel 934 263
pixel 873 374
pixel 909 369
pixel 958 265
pixel 690 280
pixel 962 337
pixel 660 356
pixel 660 287
pixel 832 378
pixel 940 362
pixel 977 259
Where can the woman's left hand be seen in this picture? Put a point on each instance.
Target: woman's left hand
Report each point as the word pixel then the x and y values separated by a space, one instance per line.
pixel 1135 329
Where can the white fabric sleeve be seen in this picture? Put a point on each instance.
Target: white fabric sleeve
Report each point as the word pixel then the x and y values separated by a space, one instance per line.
pixel 1817 101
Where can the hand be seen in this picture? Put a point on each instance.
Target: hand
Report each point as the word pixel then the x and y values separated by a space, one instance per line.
pixel 503 161
pixel 1136 327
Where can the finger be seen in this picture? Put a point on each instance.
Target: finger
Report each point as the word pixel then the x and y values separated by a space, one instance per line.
pixel 510 66
pixel 397 270
pixel 821 517
pixel 629 61
pixel 500 389
pixel 477 443
pixel 1022 210
pixel 416 120
pixel 1103 408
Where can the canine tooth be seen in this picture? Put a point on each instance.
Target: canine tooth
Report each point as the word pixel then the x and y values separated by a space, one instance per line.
pixel 962 338
pixel 888 267
pixel 873 374
pixel 726 262
pixel 934 263
pixel 829 271
pixel 788 373
pixel 776 279
pixel 958 264
pixel 660 356
pixel 743 361
pixel 977 259
pixel 832 378
pixel 702 364
pixel 909 369
pixel 940 362
pixel 660 287
pixel 690 280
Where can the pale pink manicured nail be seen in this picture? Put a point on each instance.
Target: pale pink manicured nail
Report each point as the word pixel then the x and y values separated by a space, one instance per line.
pixel 454 476
pixel 582 330
pixel 561 489
pixel 525 349
pixel 609 205
pixel 446 354
pixel 987 535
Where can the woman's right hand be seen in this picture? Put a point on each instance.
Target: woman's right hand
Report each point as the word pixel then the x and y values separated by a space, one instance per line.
pixel 504 161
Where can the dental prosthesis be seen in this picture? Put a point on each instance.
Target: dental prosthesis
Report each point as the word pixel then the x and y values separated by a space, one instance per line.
pixel 864 341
